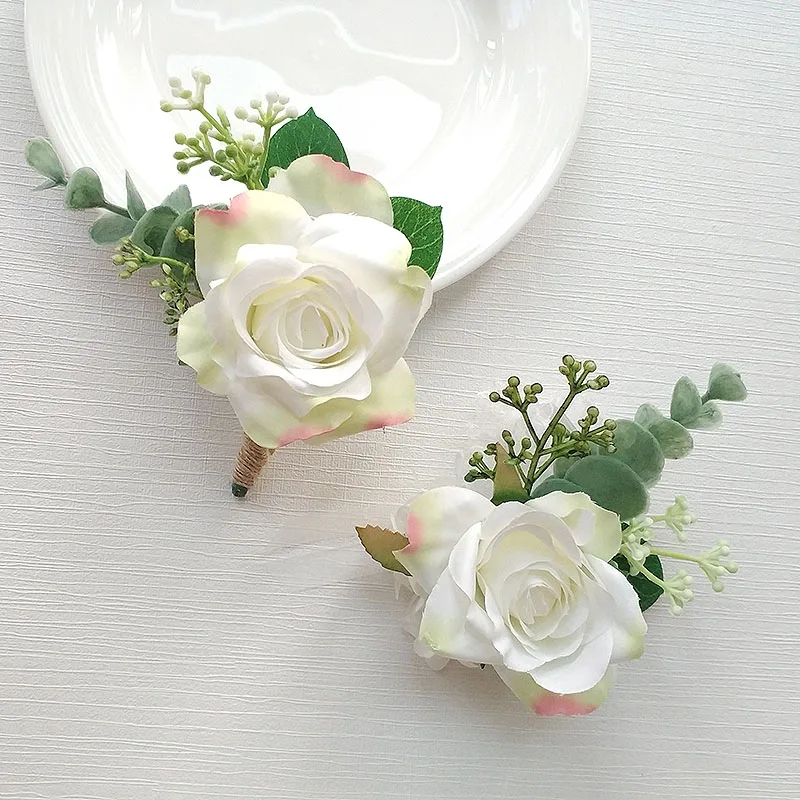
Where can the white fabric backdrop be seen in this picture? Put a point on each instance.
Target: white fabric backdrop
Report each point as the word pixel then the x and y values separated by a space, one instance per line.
pixel 158 640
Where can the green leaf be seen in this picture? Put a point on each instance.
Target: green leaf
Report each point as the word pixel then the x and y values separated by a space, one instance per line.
pixel 180 200
pixel 382 545
pixel 151 230
pixel 725 383
pixel 304 136
pixel 84 190
pixel 611 484
pixel 675 441
pixel 41 155
pixel 639 449
pixel 561 465
pixel 647 591
pixel 709 418
pixel 45 185
pixel 136 206
pixel 507 483
pixel 686 401
pixel 110 228
pixel 422 226
pixel 550 485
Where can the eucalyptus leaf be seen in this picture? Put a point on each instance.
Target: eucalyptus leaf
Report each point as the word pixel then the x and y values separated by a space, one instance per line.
pixel 686 401
pixel 611 484
pixel 422 226
pixel 675 441
pixel 507 482
pixel 84 190
pixel 382 545
pixel 307 135
pixel 725 383
pixel 110 228
pixel 708 418
pixel 179 200
pixel 647 591
pixel 561 465
pixel 41 155
pixel 639 449
pixel 550 485
pixel 151 230
pixel 136 206
pixel 45 185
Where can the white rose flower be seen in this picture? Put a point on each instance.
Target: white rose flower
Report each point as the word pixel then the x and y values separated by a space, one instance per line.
pixel 525 588
pixel 306 319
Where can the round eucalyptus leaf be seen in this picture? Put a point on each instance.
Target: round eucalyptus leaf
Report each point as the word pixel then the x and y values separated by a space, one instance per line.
pixel 726 383
pixel 151 230
pixel 639 449
pixel 110 228
pixel 648 415
pixel 674 439
pixel 708 419
pixel 611 483
pixel 555 485
pixel 561 465
pixel 84 190
pixel 686 401
pixel 41 155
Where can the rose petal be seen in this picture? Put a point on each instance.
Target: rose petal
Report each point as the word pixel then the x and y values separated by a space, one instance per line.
pixel 434 522
pixel 596 530
pixel 580 671
pixel 254 217
pixel 323 186
pixel 195 347
pixel 548 704
pixel 629 626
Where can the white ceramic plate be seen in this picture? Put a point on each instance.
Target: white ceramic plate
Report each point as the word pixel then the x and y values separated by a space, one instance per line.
pixel 470 104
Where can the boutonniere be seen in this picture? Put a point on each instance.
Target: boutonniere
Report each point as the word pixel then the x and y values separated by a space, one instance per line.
pixel 298 299
pixel 547 581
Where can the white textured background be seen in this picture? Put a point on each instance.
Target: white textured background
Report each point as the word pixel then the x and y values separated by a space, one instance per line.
pixel 158 640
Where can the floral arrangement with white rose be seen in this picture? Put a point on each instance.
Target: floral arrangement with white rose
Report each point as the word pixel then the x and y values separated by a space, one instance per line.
pixel 298 300
pixel 547 581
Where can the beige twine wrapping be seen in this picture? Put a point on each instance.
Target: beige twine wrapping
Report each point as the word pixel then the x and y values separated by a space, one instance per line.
pixel 250 463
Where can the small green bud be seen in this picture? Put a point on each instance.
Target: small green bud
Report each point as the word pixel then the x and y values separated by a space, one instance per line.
pixel 568 361
pixel 508 438
pixel 526 444
pixel 185 94
pixel 180 138
pixel 179 155
pixel 610 425
pixel 167 107
pixel 590 366
pixel 183 167
pixel 193 141
pixel 494 397
pixel 215 171
pixel 241 113
pixel 491 449
pixel 118 260
pixel 205 128
pixel 513 381
pixel 231 150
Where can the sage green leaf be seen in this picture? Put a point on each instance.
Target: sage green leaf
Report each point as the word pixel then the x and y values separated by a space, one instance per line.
pixel 686 401
pixel 422 226
pixel 180 200
pixel 110 228
pixel 304 136
pixel 708 418
pixel 611 484
pixel 45 185
pixel 151 230
pixel 675 441
pixel 84 190
pixel 726 383
pixel 639 449
pixel 554 485
pixel 382 545
pixel 507 483
pixel 136 206
pixel 647 591
pixel 561 465
pixel 41 155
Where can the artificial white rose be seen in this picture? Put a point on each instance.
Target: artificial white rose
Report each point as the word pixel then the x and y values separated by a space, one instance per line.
pixel 306 319
pixel 525 588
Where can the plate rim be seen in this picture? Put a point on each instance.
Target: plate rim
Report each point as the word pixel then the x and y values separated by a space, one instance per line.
pixel 462 267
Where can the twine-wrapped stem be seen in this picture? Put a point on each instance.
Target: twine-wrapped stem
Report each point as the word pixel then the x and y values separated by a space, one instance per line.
pixel 250 463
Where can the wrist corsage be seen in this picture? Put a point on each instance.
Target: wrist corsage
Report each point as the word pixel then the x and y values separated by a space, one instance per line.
pixel 298 299
pixel 546 581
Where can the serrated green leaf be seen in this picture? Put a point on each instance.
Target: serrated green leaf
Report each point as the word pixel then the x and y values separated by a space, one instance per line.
pixel 726 384
pixel 382 544
pixel 647 591
pixel 110 228
pixel 84 190
pixel 41 155
pixel 611 484
pixel 422 226
pixel 151 230
pixel 686 401
pixel 179 200
pixel 639 449
pixel 507 483
pixel 304 136
pixel 708 419
pixel 136 206
pixel 550 485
